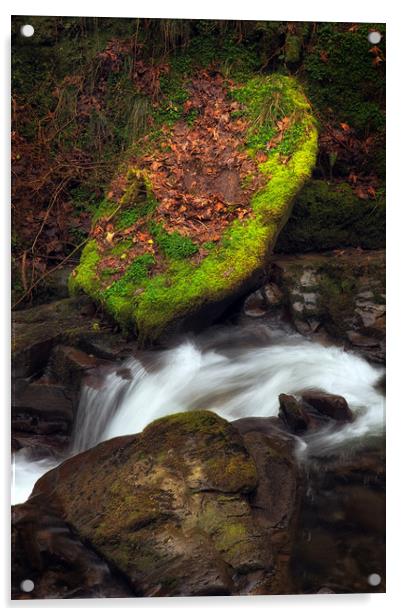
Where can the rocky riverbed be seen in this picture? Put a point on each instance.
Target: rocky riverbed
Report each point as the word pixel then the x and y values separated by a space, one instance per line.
pixel 337 296
pixel 195 504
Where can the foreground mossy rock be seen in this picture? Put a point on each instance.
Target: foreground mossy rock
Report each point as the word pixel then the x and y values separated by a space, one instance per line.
pixel 192 217
pixel 187 507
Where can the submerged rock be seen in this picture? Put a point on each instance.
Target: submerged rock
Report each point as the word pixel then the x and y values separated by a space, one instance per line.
pixel 313 411
pixel 187 507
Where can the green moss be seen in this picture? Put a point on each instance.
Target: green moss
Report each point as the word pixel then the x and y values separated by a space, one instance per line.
pixel 173 245
pixel 337 289
pixel 131 216
pixel 151 304
pixel 109 271
pixel 342 80
pixel 136 202
pixel 293 48
pixel 222 461
pixel 233 533
pixel 268 101
pixel 118 298
pixel 189 422
pixel 84 276
pixel 208 245
pixel 104 210
pixel 121 248
pixel 327 216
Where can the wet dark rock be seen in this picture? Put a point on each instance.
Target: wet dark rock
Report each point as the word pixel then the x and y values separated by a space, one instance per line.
pixel 331 405
pixel 340 294
pixel 42 408
pixel 54 348
pixel 106 345
pixel 272 294
pixel 381 384
pixel 277 499
pixel 255 305
pixel 363 506
pixel 37 330
pixel 292 414
pixel 271 426
pixel 342 538
pixel 39 446
pixel 47 551
pixel 68 365
pixel 54 286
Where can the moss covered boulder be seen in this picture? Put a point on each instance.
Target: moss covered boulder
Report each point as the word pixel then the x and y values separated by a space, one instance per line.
pixel 195 210
pixel 171 510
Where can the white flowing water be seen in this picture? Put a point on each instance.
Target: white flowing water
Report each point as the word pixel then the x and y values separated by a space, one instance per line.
pixel 234 372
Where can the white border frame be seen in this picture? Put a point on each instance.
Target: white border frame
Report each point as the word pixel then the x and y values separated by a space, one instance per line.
pixel 291 10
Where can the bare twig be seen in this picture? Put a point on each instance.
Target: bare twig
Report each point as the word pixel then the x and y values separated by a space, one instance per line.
pixel 53 269
pixel 23 270
pixel 46 216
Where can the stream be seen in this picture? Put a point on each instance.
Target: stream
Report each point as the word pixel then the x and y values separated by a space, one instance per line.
pixel 235 371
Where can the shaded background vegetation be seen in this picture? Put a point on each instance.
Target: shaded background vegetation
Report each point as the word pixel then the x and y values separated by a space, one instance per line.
pixel 85 89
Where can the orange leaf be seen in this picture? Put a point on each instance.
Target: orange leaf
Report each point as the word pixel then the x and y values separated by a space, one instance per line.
pixel 377 60
pixel 261 157
pixel 142 236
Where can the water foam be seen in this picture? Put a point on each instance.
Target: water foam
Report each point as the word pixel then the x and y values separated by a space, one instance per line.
pixel 234 374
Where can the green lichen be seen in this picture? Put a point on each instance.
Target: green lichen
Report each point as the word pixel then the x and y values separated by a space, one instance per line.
pixel 150 304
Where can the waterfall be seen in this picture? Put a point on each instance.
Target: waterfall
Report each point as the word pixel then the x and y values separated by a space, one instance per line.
pixel 235 372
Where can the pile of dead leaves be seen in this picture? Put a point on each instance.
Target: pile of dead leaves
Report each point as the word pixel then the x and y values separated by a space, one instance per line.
pixel 201 175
